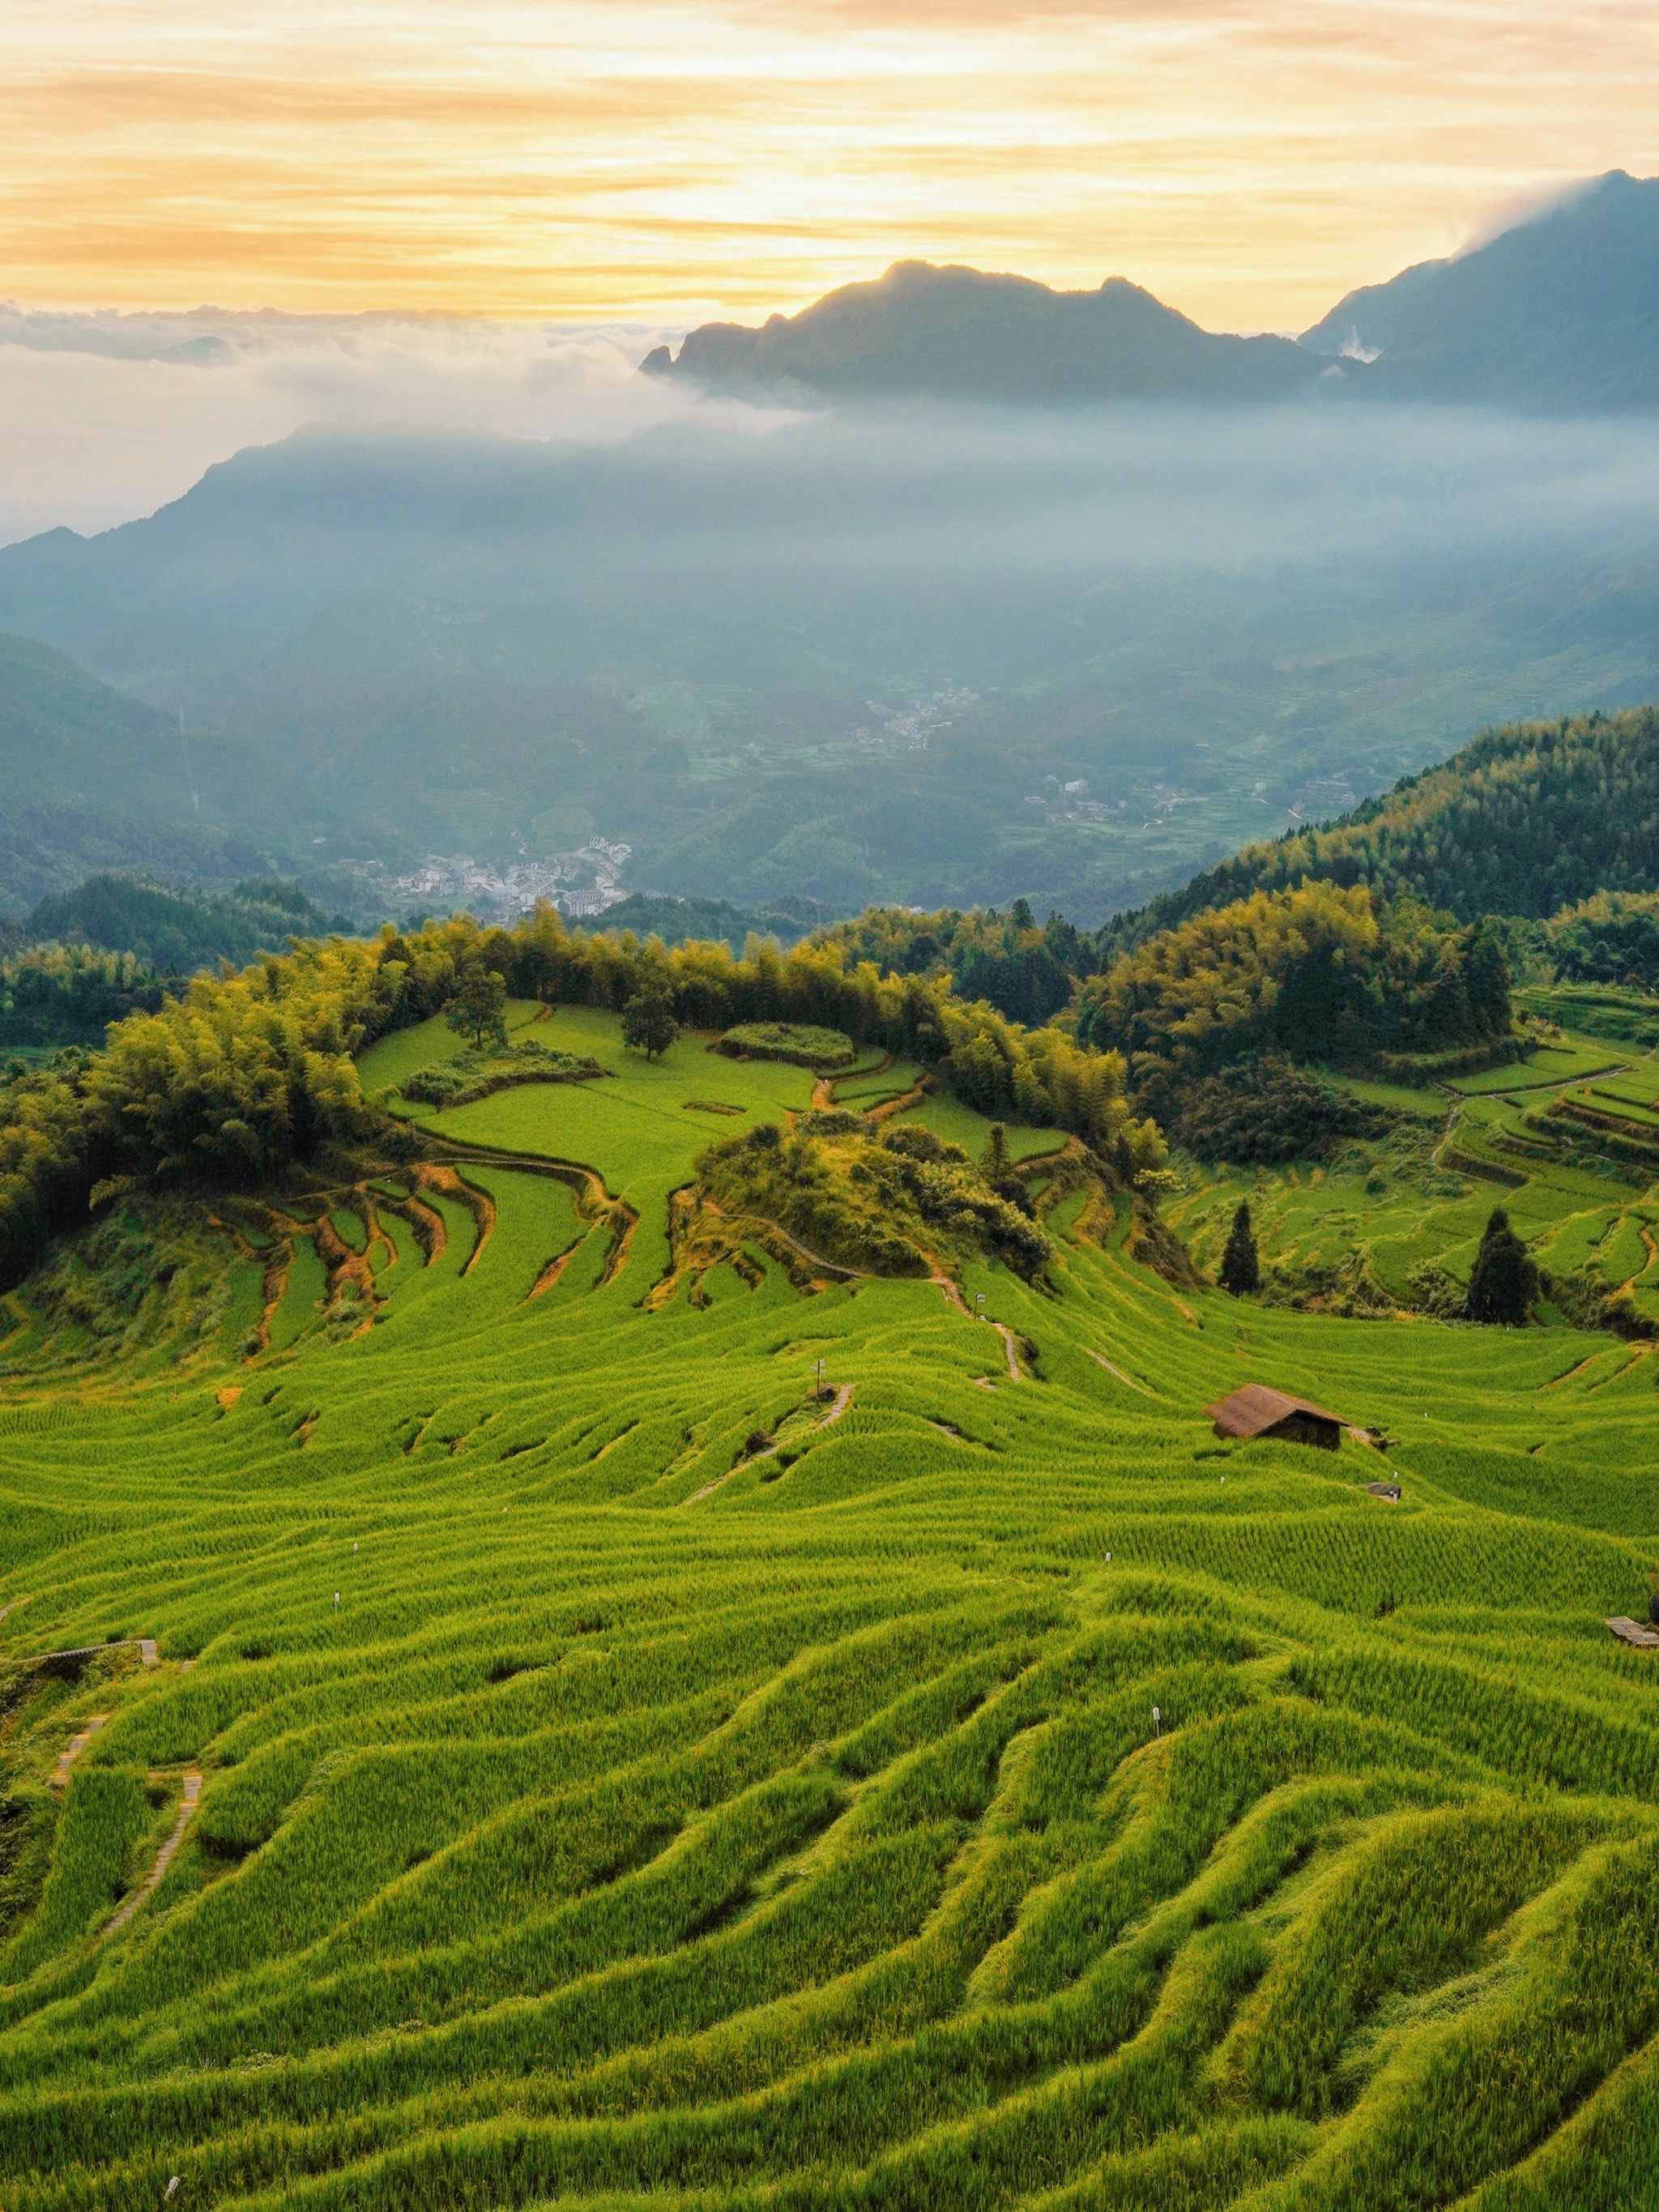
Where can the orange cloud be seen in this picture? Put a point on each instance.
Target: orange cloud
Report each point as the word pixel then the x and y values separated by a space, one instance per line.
pixel 678 158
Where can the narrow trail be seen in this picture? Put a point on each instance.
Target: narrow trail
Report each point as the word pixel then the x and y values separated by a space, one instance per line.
pixel 951 1292
pixel 1100 1359
pixel 60 1773
pixel 152 1880
pixel 1446 1133
pixel 843 1399
pixel 145 1646
pixel 776 1228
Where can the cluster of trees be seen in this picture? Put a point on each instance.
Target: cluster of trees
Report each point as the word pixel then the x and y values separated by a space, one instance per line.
pixel 1317 972
pixel 1503 1281
pixel 230 1081
pixel 1267 1109
pixel 676 921
pixel 881 1203
pixel 56 994
pixel 1612 938
pixel 1529 818
pixel 118 944
pixel 1024 971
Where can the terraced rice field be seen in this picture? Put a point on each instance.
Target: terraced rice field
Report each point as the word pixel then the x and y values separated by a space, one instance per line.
pixel 1018 1798
pixel 1424 1195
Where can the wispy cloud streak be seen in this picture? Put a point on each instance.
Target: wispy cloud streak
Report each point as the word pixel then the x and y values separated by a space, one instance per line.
pixel 675 158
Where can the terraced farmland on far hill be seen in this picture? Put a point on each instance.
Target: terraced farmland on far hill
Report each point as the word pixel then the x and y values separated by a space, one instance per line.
pixel 738 1733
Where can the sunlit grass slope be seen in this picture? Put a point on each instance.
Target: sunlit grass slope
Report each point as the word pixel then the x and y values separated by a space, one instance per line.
pixel 1017 1797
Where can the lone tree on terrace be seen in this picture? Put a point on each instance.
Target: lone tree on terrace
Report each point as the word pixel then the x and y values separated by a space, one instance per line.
pixel 478 1009
pixel 1504 1280
pixel 647 1022
pixel 1241 1270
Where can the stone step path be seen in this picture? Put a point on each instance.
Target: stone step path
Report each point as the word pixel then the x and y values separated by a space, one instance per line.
pixel 145 1646
pixel 60 1773
pixel 152 1880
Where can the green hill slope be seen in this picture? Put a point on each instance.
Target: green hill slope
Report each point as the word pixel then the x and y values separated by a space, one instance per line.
pixel 90 778
pixel 1529 818
pixel 65 738
pixel 530 1677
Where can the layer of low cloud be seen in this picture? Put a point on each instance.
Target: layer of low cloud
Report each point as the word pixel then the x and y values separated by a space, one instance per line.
pixel 105 418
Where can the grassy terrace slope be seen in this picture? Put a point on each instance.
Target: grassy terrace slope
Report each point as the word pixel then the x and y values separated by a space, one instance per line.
pixel 1566 1141
pixel 645 1824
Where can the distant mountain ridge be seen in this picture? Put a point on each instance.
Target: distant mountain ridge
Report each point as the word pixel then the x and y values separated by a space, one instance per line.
pixel 1560 311
pixel 962 333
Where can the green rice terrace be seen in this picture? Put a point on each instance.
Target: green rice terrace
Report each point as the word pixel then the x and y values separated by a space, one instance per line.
pixel 1566 1140
pixel 527 1679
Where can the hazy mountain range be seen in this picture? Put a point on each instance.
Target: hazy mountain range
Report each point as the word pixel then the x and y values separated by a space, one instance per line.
pixel 1559 312
pixel 934 650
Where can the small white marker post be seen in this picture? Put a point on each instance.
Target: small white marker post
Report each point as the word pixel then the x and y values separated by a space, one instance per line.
pixel 1157 1721
pixel 337 1600
pixel 979 1304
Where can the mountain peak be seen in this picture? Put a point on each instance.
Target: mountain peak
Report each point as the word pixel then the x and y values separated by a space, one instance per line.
pixel 942 330
pixel 1558 309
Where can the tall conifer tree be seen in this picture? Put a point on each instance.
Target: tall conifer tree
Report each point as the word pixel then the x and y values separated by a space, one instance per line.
pixel 1241 1269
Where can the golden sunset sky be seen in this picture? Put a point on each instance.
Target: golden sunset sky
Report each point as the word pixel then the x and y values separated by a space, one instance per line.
pixel 670 160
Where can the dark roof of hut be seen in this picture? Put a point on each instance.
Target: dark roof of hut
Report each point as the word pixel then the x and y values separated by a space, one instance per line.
pixel 1254 1410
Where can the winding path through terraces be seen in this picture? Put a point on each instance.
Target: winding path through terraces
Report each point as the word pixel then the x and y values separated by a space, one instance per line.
pixel 152 1880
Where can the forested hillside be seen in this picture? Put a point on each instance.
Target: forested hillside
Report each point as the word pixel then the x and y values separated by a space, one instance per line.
pixel 1611 938
pixel 115 945
pixel 681 921
pixel 1317 973
pixel 169 927
pixel 1530 817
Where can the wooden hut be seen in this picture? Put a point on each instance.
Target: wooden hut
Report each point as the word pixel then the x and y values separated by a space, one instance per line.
pixel 1257 1411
